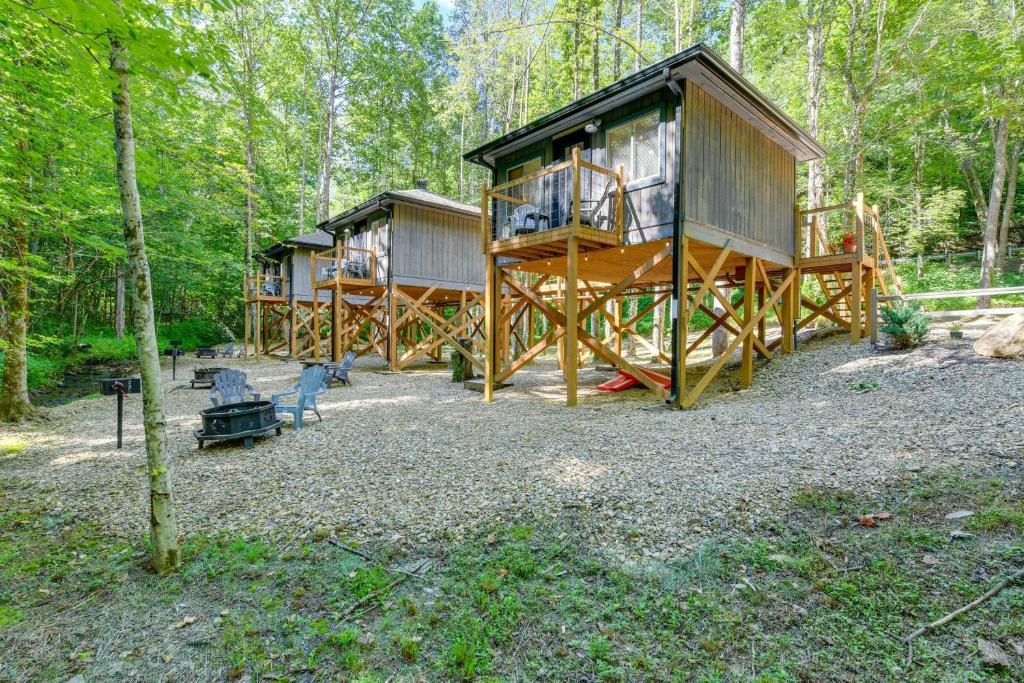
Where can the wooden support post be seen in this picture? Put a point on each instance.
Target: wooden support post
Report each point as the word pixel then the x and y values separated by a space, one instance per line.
pixel 258 331
pixel 796 290
pixel 572 305
pixel 618 326
pixel 506 330
pixel 856 303
pixel 786 323
pixel 762 324
pixel 492 295
pixel 316 324
pixel 248 314
pixel 749 283
pixel 681 316
pixel 293 328
pixel 392 329
pixel 873 316
pixel 336 325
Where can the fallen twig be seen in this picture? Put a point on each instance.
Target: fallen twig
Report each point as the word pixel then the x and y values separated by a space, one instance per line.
pixel 369 558
pixel 372 594
pixel 296 537
pixel 990 593
pixel 358 553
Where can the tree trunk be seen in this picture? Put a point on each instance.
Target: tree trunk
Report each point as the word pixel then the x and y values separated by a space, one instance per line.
pixel 974 185
pixel 1011 197
pixel 995 199
pixel 736 22
pixel 119 304
pixel 815 61
pixel 639 33
pixel 597 48
pixel 617 49
pixel 324 210
pixel 163 527
pixel 14 400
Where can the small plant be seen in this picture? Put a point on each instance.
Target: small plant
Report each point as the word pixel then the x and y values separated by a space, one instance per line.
pixel 864 386
pixel 849 243
pixel 905 324
pixel 956 331
pixel 410 649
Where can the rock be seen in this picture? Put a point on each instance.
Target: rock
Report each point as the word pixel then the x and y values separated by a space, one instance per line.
pixel 720 337
pixel 1005 339
pixel 992 654
pixel 958 515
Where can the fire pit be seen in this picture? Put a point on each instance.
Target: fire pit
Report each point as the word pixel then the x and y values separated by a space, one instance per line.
pixel 234 421
pixel 204 376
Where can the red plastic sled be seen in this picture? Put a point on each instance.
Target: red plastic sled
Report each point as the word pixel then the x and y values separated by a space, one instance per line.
pixel 625 381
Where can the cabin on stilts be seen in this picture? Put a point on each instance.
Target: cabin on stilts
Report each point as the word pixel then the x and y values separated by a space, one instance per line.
pixel 405 278
pixel 279 297
pixel 676 183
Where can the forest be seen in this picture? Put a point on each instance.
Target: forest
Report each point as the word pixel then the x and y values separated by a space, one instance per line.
pixel 255 120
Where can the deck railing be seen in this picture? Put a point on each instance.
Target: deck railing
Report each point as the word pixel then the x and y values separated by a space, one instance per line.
pixel 574 193
pixel 264 286
pixel 344 265
pixel 863 237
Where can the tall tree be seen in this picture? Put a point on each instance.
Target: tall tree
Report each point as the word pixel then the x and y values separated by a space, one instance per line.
pixel 166 555
pixel 737 21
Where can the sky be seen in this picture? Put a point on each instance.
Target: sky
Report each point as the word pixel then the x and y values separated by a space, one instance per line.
pixel 445 5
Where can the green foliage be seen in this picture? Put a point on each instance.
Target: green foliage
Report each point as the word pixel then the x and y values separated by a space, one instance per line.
pixel 905 324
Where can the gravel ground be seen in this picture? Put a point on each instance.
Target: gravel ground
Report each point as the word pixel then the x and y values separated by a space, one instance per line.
pixel 411 458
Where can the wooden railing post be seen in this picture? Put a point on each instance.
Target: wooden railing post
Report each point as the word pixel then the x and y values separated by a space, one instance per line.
pixel 798 233
pixel 858 207
pixel 620 201
pixel 576 187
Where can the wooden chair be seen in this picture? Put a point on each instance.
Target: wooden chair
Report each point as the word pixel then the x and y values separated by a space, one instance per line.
pixel 310 385
pixel 340 371
pixel 230 351
pixel 231 386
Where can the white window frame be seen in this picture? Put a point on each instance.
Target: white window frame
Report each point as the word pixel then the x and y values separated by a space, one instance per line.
pixel 656 178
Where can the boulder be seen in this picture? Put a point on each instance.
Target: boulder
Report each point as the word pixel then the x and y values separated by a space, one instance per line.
pixel 1005 339
pixel 720 337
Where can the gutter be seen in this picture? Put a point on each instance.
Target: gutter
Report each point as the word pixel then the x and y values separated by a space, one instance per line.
pixel 678 288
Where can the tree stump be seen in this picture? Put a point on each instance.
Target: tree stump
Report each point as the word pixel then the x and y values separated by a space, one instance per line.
pixel 462 369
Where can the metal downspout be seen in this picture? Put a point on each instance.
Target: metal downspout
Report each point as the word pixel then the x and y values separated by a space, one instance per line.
pixel 678 288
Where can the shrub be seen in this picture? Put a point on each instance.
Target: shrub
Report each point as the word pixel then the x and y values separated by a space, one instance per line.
pixel 905 324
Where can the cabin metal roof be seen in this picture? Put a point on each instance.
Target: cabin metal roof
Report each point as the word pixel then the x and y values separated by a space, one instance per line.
pixel 414 197
pixel 699 64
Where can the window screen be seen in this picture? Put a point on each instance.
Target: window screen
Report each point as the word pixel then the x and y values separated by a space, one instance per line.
pixel 635 145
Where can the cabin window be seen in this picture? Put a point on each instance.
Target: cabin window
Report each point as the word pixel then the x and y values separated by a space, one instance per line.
pixel 636 146
pixel 523 169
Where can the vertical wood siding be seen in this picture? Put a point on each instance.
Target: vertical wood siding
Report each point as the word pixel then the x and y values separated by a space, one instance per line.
pixel 735 178
pixel 433 246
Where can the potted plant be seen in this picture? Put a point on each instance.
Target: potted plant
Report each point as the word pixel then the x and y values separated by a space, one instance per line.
pixel 956 331
pixel 849 243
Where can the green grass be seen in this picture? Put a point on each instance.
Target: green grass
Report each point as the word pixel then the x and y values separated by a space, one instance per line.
pixel 807 596
pixel 960 274
pixel 10 445
pixel 51 356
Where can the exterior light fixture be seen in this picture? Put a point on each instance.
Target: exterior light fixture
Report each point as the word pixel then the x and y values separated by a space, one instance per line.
pixel 593 126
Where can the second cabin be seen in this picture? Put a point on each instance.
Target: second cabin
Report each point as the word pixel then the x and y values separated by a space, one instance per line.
pixel 405 278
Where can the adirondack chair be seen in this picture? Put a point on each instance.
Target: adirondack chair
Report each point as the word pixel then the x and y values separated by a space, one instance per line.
pixel 231 386
pixel 310 385
pixel 340 373
pixel 230 351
